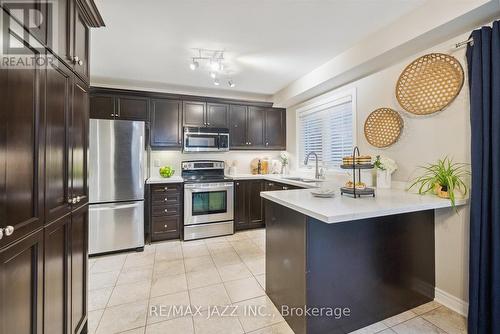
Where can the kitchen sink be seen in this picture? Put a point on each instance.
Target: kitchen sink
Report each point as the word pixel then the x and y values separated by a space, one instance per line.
pixel 301 179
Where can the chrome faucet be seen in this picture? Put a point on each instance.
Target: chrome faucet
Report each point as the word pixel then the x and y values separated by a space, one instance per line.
pixel 306 160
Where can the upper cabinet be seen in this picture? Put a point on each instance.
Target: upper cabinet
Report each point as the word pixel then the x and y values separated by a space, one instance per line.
pixel 80 44
pixel 119 107
pixel 194 113
pixel 275 129
pixel 217 115
pixel 166 121
pixel 252 125
pixel 201 114
pixel 257 128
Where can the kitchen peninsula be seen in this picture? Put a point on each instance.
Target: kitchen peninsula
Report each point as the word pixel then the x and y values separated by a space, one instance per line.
pixel 372 256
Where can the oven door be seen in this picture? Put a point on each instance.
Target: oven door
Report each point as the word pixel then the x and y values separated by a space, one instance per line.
pixel 201 142
pixel 208 202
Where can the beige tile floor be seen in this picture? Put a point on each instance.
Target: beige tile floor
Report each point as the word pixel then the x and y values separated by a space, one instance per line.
pixel 124 288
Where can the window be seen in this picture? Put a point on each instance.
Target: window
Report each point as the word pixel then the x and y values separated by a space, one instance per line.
pixel 327 128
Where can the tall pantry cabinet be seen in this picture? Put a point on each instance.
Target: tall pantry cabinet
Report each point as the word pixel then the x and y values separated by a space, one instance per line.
pixel 43 167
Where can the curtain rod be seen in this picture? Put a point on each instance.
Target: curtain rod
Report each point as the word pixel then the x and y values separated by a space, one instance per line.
pixel 464 43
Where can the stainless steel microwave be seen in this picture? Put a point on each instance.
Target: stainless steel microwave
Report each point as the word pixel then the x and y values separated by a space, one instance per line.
pixel 205 139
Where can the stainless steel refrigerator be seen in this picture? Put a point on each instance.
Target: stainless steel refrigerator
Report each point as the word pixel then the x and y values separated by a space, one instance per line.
pixel 116 185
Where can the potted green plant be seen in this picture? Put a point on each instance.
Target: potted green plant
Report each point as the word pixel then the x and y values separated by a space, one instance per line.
pixel 443 178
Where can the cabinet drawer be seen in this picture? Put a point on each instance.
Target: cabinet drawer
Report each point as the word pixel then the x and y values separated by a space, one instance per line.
pixel 165 210
pixel 166 228
pixel 166 188
pixel 168 197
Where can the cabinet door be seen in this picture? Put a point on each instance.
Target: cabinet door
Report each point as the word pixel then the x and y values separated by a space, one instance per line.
pixel 63 46
pixel 255 127
pixel 21 147
pixel 217 115
pixel 237 127
pixel 240 205
pixel 194 113
pixel 166 129
pixel 275 124
pixel 57 152
pixel 57 279
pixel 81 45
pixel 102 107
pixel 255 205
pixel 21 279
pixel 79 142
pixel 132 108
pixel 79 255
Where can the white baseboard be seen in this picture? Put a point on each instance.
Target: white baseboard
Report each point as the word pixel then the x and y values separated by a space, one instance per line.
pixel 451 302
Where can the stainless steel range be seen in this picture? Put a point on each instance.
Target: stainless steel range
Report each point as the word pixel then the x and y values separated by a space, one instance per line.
pixel 208 200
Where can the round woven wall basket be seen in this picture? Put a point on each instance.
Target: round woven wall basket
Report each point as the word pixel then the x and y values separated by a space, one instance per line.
pixel 430 83
pixel 383 127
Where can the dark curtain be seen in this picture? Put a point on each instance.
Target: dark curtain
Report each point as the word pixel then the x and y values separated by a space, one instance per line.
pixel 483 59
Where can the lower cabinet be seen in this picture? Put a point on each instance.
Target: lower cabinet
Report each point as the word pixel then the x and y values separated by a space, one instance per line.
pixel 21 282
pixel 44 279
pixel 248 205
pixel 79 263
pixel 165 211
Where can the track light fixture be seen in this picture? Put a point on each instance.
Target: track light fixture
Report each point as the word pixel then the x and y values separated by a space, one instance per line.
pixel 213 60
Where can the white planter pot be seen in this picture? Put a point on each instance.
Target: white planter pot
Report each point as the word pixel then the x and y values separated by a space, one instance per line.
pixel 383 179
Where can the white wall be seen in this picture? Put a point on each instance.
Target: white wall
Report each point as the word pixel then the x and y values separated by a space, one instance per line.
pixel 424 139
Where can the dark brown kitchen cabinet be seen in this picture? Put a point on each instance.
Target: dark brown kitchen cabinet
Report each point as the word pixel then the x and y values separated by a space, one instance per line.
pixel 166 124
pixel 121 107
pixel 102 106
pixel 21 284
pixel 166 211
pixel 275 129
pixel 238 126
pixel 43 179
pixel 194 113
pixel 248 205
pixel 79 268
pixel 22 147
pixel 80 43
pixel 217 115
pixel 255 127
pixel 57 142
pixel 132 108
pixel 57 279
pixel 79 128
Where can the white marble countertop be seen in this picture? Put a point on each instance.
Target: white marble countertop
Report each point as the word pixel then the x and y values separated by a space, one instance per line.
pixel 276 178
pixel 172 179
pixel 344 208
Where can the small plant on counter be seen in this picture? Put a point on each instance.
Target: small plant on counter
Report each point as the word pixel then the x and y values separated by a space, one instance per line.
pixel 443 178
pixel 285 160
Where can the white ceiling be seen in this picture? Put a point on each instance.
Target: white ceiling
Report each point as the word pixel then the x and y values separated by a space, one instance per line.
pixel 268 43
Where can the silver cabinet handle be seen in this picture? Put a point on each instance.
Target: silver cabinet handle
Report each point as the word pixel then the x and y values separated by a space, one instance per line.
pixel 166 210
pixel 249 143
pixel 267 144
pixel 80 62
pixel 73 200
pixel 9 230
pixel 70 201
pixel 166 199
pixel 165 226
pixel 112 115
pixel 237 183
pixel 285 188
pixel 78 199
pixel 166 188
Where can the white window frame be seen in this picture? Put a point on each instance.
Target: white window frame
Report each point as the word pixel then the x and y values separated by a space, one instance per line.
pixel 324 101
